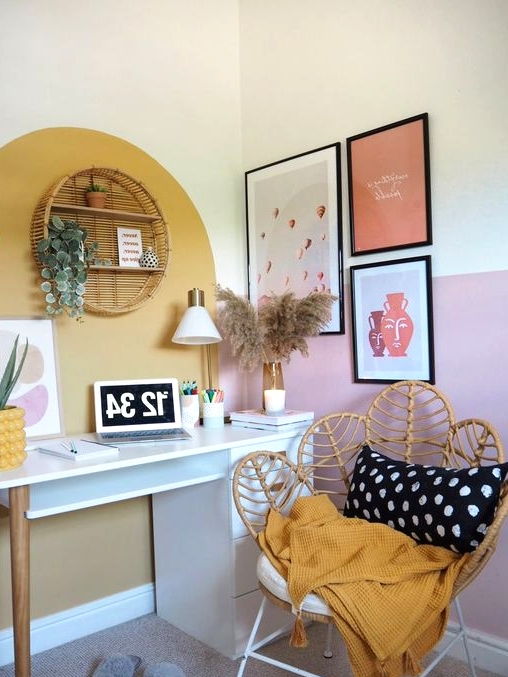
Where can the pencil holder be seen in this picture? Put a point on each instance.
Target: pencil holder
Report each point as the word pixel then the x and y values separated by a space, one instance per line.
pixel 190 410
pixel 213 414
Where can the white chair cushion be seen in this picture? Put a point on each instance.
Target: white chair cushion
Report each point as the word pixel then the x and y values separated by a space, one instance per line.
pixel 271 579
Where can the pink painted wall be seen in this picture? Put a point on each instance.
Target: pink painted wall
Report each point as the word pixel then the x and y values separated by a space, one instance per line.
pixel 471 360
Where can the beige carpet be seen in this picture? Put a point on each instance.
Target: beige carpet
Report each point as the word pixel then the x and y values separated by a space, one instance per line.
pixel 156 640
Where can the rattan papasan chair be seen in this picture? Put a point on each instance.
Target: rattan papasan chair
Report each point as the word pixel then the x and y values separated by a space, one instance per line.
pixel 408 439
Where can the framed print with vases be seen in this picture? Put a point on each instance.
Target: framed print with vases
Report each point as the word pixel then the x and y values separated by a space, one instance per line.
pixel 294 228
pixel 389 187
pixel 38 387
pixel 391 305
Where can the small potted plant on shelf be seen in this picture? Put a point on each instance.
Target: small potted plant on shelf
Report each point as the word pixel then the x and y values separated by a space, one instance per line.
pixel 65 257
pixel 95 196
pixel 12 419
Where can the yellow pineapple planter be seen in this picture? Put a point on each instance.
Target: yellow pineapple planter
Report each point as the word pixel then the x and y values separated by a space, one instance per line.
pixel 12 419
pixel 12 438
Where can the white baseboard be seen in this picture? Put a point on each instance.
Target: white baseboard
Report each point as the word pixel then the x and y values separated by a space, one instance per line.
pixel 489 652
pixel 51 631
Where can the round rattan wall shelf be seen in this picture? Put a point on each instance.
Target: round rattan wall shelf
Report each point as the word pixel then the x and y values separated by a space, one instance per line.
pixel 111 288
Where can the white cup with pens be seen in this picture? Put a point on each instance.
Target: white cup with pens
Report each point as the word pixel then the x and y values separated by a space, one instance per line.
pixel 189 404
pixel 213 408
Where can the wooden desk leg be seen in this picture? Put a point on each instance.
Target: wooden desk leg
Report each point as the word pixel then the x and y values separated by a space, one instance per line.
pixel 20 577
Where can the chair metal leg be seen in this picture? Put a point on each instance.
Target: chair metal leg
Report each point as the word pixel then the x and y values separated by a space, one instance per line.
pixel 328 651
pixel 252 646
pixel 461 634
pixel 252 637
pixel 465 639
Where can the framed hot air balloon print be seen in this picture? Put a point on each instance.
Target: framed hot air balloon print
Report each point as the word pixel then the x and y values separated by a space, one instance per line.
pixel 37 390
pixel 389 187
pixel 294 228
pixel 391 305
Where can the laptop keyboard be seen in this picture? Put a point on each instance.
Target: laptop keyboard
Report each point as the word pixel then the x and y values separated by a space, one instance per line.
pixel 142 434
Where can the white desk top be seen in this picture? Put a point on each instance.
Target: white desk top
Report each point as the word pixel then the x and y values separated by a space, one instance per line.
pixel 39 468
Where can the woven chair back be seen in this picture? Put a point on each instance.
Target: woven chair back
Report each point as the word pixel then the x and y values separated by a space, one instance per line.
pixel 409 420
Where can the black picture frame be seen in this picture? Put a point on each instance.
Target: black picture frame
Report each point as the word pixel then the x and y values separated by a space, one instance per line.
pixel 389 187
pixel 294 228
pixel 389 343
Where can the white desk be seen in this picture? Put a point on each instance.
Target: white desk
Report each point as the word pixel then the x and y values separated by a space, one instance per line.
pixel 196 581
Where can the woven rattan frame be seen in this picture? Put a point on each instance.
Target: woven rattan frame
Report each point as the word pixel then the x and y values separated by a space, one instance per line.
pixel 412 420
pixel 109 289
pixel 265 480
pixel 409 418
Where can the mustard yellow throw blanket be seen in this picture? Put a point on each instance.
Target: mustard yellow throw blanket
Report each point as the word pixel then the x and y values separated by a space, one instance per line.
pixel 389 596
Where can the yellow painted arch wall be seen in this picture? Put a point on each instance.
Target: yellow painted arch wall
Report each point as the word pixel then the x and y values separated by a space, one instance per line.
pixel 88 554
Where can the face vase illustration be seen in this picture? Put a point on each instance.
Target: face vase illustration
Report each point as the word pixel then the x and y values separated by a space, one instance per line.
pixel 396 325
pixel 375 334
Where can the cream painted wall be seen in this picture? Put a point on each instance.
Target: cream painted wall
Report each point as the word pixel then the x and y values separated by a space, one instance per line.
pixel 331 69
pixel 162 74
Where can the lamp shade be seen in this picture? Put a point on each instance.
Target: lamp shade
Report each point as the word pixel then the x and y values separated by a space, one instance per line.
pixel 196 326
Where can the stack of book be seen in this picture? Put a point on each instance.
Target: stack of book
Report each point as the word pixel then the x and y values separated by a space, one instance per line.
pixel 256 418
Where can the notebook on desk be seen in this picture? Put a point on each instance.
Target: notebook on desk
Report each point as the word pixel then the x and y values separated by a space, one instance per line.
pixel 138 410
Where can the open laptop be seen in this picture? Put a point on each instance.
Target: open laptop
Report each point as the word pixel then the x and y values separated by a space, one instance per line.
pixel 138 410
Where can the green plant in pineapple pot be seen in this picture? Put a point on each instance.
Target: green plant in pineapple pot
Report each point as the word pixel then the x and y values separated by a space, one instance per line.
pixel 95 196
pixel 65 257
pixel 12 419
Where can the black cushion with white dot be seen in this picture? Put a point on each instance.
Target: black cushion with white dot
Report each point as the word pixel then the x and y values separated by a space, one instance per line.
pixel 449 507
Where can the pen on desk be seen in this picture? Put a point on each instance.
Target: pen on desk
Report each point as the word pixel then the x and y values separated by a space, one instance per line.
pixel 97 444
pixel 70 447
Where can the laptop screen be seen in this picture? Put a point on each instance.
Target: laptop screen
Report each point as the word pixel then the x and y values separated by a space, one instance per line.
pixel 141 404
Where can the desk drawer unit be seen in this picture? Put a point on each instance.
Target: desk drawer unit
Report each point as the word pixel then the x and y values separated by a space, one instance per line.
pixel 205 561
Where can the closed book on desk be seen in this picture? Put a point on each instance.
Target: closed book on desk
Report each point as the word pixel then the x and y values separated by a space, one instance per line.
pixel 79 450
pixel 298 425
pixel 259 416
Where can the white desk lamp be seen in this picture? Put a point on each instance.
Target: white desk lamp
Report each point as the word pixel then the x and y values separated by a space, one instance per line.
pixel 197 328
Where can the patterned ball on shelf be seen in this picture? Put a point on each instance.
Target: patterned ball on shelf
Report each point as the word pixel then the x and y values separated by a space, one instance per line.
pixel 149 259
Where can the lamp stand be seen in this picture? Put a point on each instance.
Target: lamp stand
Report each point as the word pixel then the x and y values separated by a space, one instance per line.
pixel 209 364
pixel 197 328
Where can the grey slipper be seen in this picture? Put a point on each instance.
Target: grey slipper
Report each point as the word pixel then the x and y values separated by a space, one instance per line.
pixel 164 670
pixel 117 665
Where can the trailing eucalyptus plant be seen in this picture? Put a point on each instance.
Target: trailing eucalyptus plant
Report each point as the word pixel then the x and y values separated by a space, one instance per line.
pixel 65 257
pixel 11 373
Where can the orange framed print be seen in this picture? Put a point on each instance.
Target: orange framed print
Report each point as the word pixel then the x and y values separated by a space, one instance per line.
pixel 391 305
pixel 294 229
pixel 389 187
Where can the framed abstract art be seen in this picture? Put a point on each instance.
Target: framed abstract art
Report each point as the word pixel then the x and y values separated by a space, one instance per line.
pixel 392 321
pixel 294 228
pixel 38 388
pixel 389 187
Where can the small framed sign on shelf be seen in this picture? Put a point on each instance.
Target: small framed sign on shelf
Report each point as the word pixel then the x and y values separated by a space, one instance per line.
pixel 130 247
